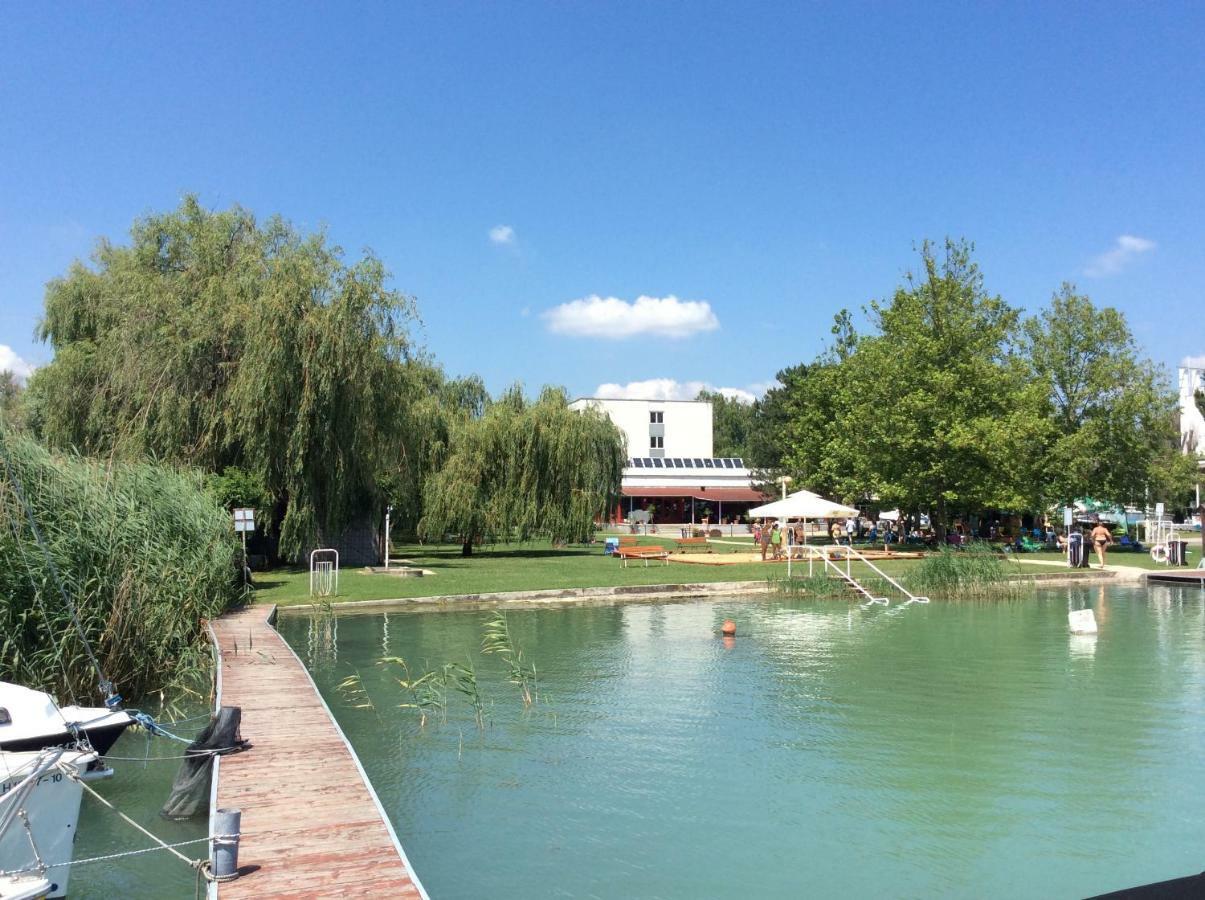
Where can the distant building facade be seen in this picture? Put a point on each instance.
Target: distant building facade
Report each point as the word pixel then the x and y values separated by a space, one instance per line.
pixel 671 474
pixel 1192 423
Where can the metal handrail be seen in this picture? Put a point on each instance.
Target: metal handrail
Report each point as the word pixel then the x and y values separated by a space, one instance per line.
pixel 823 553
pixel 846 576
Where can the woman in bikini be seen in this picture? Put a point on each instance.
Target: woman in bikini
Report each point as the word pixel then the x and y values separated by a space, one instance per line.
pixel 1101 538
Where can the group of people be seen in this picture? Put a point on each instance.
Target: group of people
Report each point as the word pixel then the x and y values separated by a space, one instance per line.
pixel 772 539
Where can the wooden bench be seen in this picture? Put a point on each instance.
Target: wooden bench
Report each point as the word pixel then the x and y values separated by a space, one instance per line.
pixel 685 544
pixel 645 552
pixel 627 540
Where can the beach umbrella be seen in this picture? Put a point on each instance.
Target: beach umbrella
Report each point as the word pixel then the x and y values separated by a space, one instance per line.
pixel 803 505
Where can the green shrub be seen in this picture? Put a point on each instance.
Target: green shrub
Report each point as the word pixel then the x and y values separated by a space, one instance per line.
pixel 948 570
pixel 143 552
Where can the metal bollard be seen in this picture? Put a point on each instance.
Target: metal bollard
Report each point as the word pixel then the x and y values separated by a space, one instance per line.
pixel 226 826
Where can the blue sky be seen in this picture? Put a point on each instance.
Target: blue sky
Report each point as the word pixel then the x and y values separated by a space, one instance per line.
pixel 763 164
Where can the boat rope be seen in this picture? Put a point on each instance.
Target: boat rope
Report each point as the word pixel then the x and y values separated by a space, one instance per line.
pixel 33 845
pixel 112 700
pixel 147 721
pixel 162 845
pixel 122 855
pixel 193 755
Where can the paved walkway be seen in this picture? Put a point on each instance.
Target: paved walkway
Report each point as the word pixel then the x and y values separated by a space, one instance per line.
pixel 1122 573
pixel 312 825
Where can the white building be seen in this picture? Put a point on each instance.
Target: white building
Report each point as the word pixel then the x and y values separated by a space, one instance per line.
pixel 1192 423
pixel 670 469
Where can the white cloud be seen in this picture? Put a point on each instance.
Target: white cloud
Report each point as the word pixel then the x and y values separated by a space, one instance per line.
pixel 610 317
pixel 502 234
pixel 1125 250
pixel 10 362
pixel 669 389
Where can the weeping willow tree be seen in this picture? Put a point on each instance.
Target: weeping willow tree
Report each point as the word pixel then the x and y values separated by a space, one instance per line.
pixel 522 469
pixel 215 341
pixel 142 554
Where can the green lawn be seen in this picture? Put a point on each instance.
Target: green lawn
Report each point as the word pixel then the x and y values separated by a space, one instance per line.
pixel 514 567
pixel 538 566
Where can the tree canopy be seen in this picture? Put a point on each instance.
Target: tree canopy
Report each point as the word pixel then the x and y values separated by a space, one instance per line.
pixel 950 403
pixel 524 468
pixel 732 420
pixel 215 341
pixel 1108 412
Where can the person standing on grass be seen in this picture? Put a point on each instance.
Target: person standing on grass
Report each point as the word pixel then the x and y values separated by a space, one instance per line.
pixel 764 541
pixel 776 541
pixel 1101 538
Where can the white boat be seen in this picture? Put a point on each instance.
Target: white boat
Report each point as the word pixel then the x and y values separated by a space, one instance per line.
pixel 40 793
pixel 31 720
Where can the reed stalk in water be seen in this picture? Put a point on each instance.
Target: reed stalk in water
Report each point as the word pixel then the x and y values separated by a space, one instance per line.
pixel 497 640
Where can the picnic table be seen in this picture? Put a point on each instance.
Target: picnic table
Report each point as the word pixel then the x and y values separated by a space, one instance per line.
pixel 646 553
pixel 684 544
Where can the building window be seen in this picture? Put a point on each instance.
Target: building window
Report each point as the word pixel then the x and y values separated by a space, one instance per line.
pixel 656 442
pixel 657 418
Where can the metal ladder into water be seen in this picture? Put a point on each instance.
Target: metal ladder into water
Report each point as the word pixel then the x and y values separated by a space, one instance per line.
pixel 825 554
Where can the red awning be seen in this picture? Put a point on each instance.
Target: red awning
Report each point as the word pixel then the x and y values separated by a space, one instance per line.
pixel 714 494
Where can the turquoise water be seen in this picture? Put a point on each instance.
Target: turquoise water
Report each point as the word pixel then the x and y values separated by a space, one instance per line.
pixel 139 789
pixel 955 749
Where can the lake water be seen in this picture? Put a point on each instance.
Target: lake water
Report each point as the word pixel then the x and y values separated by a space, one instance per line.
pixel 955 749
pixel 139 788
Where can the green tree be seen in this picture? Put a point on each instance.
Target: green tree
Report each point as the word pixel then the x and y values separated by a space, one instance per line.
pixel 731 421
pixel 935 411
pixel 1110 413
pixel 11 396
pixel 216 341
pixel 522 469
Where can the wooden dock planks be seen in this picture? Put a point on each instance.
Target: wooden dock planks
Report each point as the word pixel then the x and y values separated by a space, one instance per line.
pixel 311 825
pixel 1181 576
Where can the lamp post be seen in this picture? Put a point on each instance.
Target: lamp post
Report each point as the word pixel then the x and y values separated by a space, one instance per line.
pixel 388 512
pixel 784 481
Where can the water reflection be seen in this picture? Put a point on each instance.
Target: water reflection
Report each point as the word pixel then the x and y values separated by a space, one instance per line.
pixel 1083 646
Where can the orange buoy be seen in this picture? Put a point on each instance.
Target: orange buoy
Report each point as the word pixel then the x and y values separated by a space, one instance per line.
pixel 728 629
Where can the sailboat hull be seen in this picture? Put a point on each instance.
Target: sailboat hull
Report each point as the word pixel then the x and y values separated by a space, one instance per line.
pixel 102 738
pixel 39 808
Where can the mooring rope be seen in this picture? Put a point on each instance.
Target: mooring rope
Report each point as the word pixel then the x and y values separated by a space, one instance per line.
pixel 162 845
pixel 147 721
pixel 121 855
pixel 193 755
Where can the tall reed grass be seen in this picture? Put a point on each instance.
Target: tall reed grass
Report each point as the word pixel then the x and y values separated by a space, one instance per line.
pixel 975 570
pixel 144 554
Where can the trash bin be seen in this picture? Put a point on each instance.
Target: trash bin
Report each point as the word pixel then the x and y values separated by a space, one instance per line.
pixel 610 545
pixel 1177 553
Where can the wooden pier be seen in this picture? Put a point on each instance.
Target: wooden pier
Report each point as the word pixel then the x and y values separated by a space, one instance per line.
pixel 312 825
pixel 1177 576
